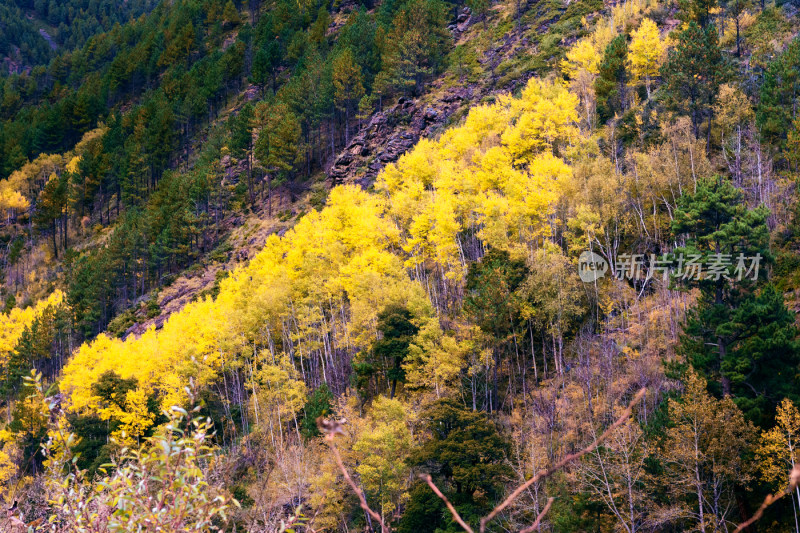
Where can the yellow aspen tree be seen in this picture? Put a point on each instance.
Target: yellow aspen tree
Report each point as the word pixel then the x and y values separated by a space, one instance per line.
pixel 435 361
pixel 704 452
pixel 383 449
pixel 581 67
pixel 777 454
pixel 14 323
pixel 645 52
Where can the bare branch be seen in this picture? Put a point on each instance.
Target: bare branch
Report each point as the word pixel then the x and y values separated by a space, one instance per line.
pixel 566 460
pixel 533 527
pixel 331 428
pixel 794 478
pixel 449 505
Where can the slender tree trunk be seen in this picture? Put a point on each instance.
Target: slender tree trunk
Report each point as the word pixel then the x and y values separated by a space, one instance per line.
pixel 55 238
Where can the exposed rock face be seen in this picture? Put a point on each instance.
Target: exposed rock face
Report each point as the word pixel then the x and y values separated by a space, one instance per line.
pixel 393 131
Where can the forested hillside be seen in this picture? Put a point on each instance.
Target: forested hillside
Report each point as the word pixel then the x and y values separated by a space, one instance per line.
pixel 400 265
pixel 33 31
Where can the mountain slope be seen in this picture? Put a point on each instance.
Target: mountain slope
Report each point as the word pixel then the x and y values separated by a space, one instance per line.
pixel 371 221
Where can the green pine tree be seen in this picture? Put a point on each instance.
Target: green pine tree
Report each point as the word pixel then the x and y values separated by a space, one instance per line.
pixel 612 80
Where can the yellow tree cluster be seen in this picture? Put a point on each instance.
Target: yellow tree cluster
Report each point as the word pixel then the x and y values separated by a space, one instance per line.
pixel 295 314
pixel 646 52
pixel 14 323
pixel 494 178
pixel 21 187
pixel 582 61
pixel 309 301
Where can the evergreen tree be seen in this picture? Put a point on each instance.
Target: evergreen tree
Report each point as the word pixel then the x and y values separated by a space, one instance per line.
pixel 779 96
pixel 493 302
pixel 693 73
pixel 51 207
pixel 319 404
pixel 735 9
pixel 416 44
pixel 348 83
pixel 278 144
pixel 611 84
pixel 466 455
pixel 698 11
pixel 389 352
pixel 737 336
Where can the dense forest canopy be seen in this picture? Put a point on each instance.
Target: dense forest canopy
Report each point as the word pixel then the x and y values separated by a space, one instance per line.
pixel 400 265
pixel 34 32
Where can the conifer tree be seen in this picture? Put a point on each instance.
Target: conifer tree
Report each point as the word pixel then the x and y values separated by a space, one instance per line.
pixel 693 73
pixel 493 302
pixel 780 95
pixel 466 454
pixel 416 44
pixel 278 143
pixel 612 81
pixel 699 11
pixel 740 336
pixel 348 83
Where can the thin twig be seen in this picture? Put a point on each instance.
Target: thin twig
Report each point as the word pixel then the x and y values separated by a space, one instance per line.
pixel 533 527
pixel 330 429
pixel 449 505
pixel 794 478
pixel 566 460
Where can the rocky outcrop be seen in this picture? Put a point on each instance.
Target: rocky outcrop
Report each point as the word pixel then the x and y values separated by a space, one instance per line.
pixel 391 133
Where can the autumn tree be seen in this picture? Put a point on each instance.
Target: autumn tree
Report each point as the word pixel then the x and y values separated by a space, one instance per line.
pixel 646 51
pixel 552 301
pixel 705 454
pixel 581 66
pixel 615 475
pixel 777 452
pixel 385 448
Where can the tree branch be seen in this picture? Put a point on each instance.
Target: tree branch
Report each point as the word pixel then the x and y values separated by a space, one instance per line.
pixel 794 478
pixel 456 516
pixel 533 527
pixel 566 460
pixel 330 428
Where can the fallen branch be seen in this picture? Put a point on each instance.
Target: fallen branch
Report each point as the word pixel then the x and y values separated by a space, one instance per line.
pixel 330 428
pixel 566 460
pixel 794 479
pixel 533 527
